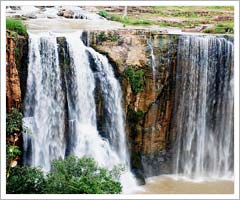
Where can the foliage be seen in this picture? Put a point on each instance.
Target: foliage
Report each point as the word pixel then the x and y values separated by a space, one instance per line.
pixel 25 180
pixel 69 176
pixel 103 13
pixel 16 25
pixel 136 79
pixel 80 176
pixel 12 151
pixel 14 121
pixel 113 37
pixel 221 28
pixel 135 116
pixel 16 52
pixel 102 36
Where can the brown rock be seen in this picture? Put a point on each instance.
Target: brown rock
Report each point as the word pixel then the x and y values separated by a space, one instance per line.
pixel 12 78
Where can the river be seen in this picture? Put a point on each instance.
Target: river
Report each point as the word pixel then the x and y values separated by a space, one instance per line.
pixel 168 184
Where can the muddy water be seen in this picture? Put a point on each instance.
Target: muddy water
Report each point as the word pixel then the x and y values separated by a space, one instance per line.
pixel 171 185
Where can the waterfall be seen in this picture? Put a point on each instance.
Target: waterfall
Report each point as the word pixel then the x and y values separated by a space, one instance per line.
pixel 50 88
pixel 153 63
pixel 44 111
pixel 204 107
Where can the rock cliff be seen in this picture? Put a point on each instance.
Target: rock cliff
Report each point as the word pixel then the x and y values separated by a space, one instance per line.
pixel 148 111
pixel 16 69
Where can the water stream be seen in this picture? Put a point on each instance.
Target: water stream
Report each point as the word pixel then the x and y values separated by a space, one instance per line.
pixel 204 107
pixel 45 110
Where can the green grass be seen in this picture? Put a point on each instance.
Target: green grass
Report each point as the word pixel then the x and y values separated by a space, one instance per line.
pixel 221 28
pixel 16 25
pixel 124 20
pixel 191 16
pixel 221 7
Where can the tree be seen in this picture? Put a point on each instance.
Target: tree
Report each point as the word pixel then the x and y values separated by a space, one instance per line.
pixel 80 176
pixel 25 180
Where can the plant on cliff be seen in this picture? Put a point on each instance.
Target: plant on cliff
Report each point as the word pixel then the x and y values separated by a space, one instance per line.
pixel 135 77
pixel 13 129
pixel 134 117
pixel 102 36
pixel 16 25
pixel 14 121
pixel 80 176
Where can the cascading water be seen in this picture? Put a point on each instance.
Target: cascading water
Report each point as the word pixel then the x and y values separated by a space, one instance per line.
pixel 44 111
pixel 204 107
pixel 153 63
pixel 46 99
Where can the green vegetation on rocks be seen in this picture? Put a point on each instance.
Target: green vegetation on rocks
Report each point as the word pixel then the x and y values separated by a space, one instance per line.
pixel 102 36
pixel 14 121
pixel 135 77
pixel 16 25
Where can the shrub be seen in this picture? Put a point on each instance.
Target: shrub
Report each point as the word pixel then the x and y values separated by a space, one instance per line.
pixel 135 116
pixel 16 25
pixel 136 79
pixel 80 176
pixel 103 13
pixel 12 152
pixel 102 36
pixel 25 180
pixel 14 121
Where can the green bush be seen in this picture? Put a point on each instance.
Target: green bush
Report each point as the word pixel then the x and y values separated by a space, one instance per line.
pixel 69 176
pixel 25 180
pixel 102 36
pixel 16 25
pixel 103 13
pixel 14 121
pixel 80 176
pixel 136 79
pixel 135 116
pixel 12 152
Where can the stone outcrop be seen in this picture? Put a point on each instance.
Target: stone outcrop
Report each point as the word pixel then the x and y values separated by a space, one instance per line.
pixel 16 69
pixel 148 112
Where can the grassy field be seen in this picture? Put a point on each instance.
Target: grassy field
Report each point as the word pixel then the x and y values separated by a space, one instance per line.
pixel 16 25
pixel 214 19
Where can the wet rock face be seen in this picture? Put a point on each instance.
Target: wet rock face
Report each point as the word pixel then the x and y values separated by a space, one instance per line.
pixel 148 112
pixel 13 89
pixel 16 66
pixel 12 78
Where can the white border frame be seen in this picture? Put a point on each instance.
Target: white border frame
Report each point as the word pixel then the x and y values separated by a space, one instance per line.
pixel 122 196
